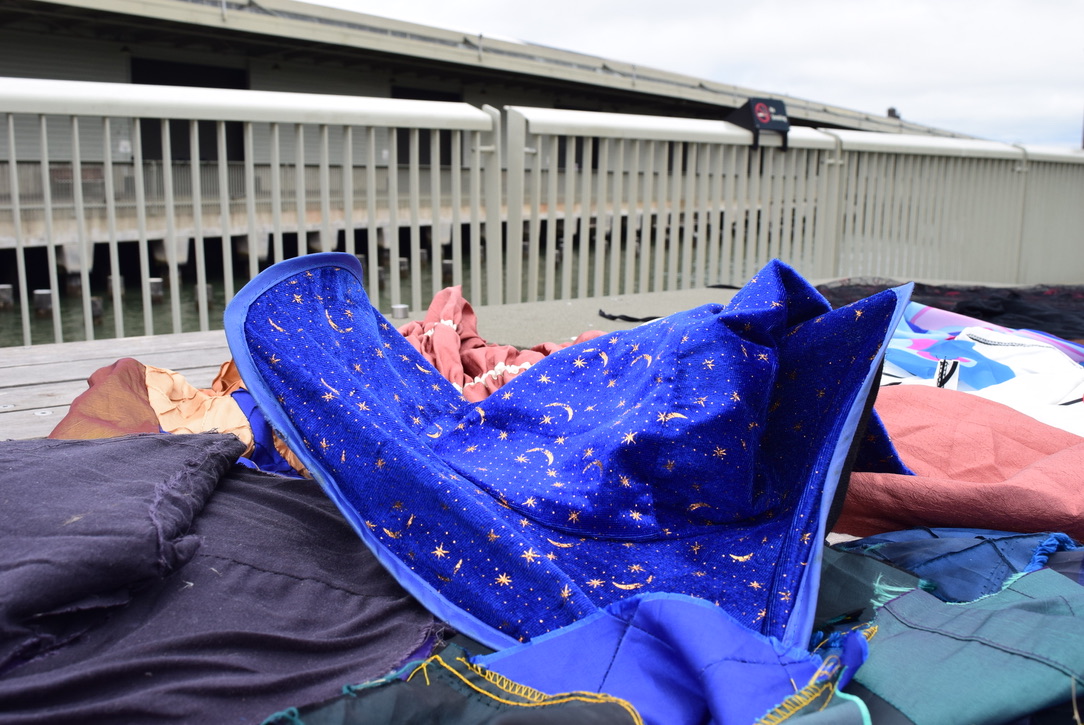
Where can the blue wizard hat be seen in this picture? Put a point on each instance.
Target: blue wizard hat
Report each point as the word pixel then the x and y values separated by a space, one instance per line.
pixel 697 454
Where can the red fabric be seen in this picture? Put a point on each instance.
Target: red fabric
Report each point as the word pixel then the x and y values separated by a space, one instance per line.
pixel 116 404
pixel 978 464
pixel 448 338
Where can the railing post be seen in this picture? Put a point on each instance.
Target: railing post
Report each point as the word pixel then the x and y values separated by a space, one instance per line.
pixel 516 135
pixel 827 241
pixel 492 171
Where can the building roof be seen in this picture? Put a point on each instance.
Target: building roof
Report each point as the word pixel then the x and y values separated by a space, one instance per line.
pixel 286 26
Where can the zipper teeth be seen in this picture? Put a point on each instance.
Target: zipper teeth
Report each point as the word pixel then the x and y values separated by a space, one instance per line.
pixel 998 343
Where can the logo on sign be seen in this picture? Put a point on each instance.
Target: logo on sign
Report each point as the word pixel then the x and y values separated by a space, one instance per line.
pixel 762 112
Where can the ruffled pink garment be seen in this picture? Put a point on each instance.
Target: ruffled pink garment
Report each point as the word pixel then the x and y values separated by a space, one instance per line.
pixel 448 337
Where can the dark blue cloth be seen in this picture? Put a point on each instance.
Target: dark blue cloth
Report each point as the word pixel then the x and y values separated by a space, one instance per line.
pixel 958 564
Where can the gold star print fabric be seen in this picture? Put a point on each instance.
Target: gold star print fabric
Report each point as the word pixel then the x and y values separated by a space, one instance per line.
pixel 691 455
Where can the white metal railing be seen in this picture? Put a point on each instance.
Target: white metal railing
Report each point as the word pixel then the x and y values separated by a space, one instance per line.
pixel 524 205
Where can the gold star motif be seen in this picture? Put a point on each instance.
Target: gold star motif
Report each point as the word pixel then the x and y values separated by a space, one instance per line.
pixel 579 362
pixel 756 585
pixel 435 386
pixel 521 458
pixel 379 462
pixel 696 547
pixel 297 299
pixel 611 383
pixel 530 555
pixel 551 556
pixel 762 614
pixel 684 338
pixel 669 466
pixel 503 435
pixel 566 592
pixel 379 353
pixel 363 406
pixel 472 448
pixel 493 535
pixel 709 363
pixel 735 397
pixel 504 580
pixel 328 396
pixel 595 583
pixel 324 444
pixel 625 482
pixel 544 379
pixel 590 407
pixel 719 452
pixel 357 368
pixel 531 502
pixel 551 473
pixel 397 506
pixel 573 516
pixel 613 339
pixel 784 596
pixel 524 523
pixel 635 515
pixel 506 395
pixel 383 326
pixel 275 359
pixel 806 537
pixel 546 419
pixel 440 552
pixel 588 452
pixel 415 420
pixel 857 314
pixel 636 567
pixel 560 439
pixel 629 438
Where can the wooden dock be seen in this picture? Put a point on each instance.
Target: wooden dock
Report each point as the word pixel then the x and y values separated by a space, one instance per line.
pixel 38 383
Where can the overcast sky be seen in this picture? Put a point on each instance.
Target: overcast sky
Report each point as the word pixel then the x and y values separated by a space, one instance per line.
pixel 1005 70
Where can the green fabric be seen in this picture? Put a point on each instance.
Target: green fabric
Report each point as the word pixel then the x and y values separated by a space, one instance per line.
pixel 993 660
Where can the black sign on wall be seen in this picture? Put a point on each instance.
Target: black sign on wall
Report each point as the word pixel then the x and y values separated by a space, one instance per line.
pixel 762 114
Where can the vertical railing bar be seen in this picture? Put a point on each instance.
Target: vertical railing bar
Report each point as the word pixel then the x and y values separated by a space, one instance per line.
pixel 688 214
pixel 799 219
pixel 17 229
pixel 618 222
pixel 372 254
pixel 301 191
pixel 650 212
pixel 568 258
pixel 764 205
pixel 493 201
pixel 327 243
pixel 436 246
pixel 393 217
pixel 276 192
pixel 171 227
pixel 715 171
pixel 635 217
pixel 116 290
pixel 195 165
pixel 141 226
pixel 534 233
pixel 475 215
pixel 347 170
pixel 703 180
pixel 254 247
pixel 457 208
pixel 584 261
pixel 602 219
pixel 785 208
pixel 914 176
pixel 728 220
pixel 677 208
pixel 85 252
pixel 226 237
pixel 553 171
pixel 50 249
pixel 414 194
pixel 662 219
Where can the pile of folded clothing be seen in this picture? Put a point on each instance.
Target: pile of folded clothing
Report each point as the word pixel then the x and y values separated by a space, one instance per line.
pixel 747 513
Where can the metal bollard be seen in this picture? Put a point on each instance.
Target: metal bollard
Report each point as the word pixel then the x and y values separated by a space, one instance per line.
pixel 400 312
pixel 43 302
pixel 7 296
pixel 158 292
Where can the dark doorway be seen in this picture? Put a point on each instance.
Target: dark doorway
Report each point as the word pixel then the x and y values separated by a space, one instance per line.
pixel 167 73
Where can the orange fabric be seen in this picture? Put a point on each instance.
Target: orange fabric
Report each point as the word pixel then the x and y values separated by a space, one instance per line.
pixel 978 464
pixel 183 408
